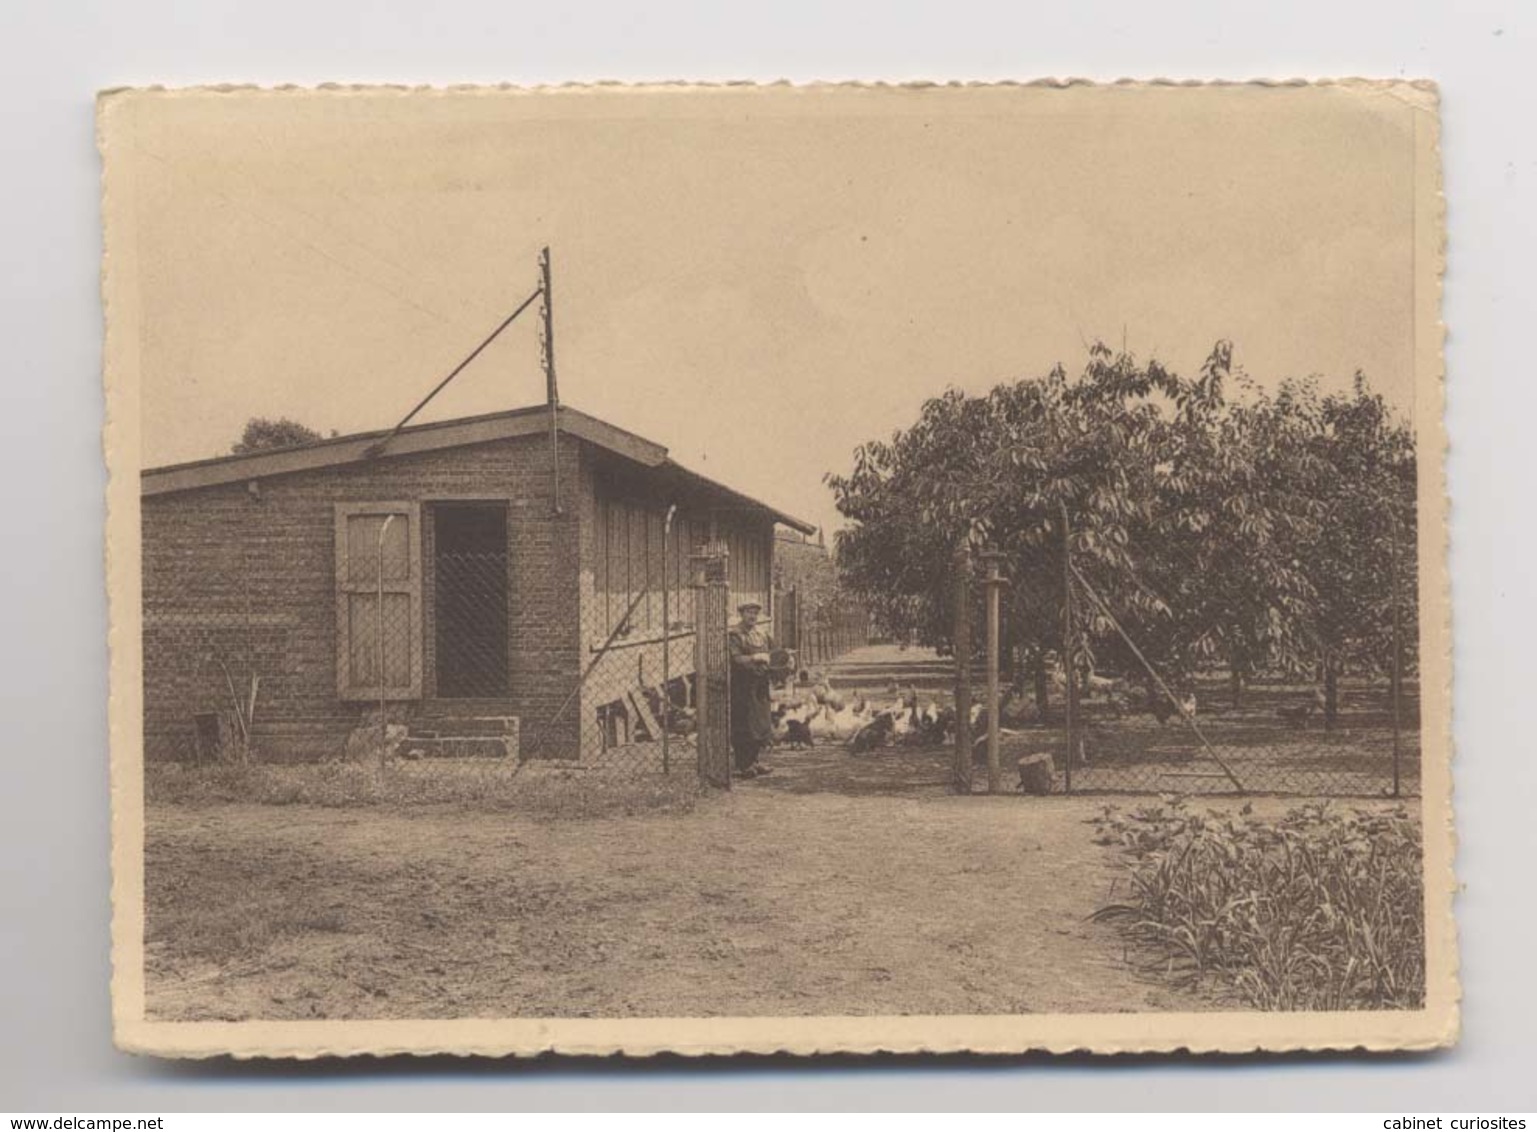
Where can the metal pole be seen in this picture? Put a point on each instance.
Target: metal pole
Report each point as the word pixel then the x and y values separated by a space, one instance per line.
pixel 1070 705
pixel 666 643
pixel 1185 714
pixel 995 583
pixel 1398 675
pixel 551 389
pixel 378 446
pixel 961 773
pixel 383 726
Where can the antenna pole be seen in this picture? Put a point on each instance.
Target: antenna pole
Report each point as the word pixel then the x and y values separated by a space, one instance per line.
pixel 551 389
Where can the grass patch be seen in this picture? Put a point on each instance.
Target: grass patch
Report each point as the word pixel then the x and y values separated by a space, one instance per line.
pixel 236 919
pixel 1319 910
pixel 472 784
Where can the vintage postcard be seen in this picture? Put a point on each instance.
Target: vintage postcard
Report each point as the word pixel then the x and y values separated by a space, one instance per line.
pixel 768 568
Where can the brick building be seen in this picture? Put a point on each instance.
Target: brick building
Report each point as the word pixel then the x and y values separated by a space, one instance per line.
pixel 434 570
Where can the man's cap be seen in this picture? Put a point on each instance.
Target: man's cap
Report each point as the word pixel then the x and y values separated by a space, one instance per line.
pixel 746 605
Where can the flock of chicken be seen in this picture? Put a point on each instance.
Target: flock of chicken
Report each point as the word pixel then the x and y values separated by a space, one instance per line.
pixel 813 711
pixel 820 713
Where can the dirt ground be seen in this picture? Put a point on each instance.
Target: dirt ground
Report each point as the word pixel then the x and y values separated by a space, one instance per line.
pixel 768 900
pixel 839 885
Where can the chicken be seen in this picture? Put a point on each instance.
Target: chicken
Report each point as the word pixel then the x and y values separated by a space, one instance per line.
pixel 876 733
pixel 840 725
pixel 1163 709
pixel 792 723
pixel 827 695
pixel 797 733
pixel 1296 714
pixel 1299 715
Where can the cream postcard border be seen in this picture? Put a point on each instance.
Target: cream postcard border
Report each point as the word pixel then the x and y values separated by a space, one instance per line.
pixel 1434 1026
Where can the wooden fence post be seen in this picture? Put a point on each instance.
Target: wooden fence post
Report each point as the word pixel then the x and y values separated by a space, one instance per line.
pixel 1397 676
pixel 712 666
pixel 1069 656
pixel 995 583
pixel 960 775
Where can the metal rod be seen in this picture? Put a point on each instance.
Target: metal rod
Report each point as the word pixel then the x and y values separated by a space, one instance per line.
pixel 538 744
pixel 995 584
pixel 666 641
pixel 378 447
pixel 384 733
pixel 551 388
pixel 961 773
pixel 1398 675
pixel 1069 696
pixel 1151 671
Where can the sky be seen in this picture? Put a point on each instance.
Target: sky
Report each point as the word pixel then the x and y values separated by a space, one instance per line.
pixel 759 279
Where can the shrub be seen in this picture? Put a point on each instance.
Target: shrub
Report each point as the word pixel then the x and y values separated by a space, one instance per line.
pixel 1320 910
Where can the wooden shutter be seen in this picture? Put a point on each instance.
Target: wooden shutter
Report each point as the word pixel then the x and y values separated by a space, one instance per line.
pixel 359 558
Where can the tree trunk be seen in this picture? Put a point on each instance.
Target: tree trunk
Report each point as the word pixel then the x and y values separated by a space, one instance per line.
pixel 1235 682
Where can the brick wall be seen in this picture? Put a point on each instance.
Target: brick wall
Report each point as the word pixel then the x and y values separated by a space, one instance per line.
pixel 249 581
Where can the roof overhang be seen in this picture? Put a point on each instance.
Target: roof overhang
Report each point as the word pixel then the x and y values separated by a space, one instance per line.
pixel 363 448
pixel 739 501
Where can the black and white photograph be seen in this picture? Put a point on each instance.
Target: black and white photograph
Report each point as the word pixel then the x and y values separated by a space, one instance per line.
pixel 830 568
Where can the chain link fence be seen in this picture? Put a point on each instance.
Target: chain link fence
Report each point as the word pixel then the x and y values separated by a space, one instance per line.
pixel 425 664
pixel 215 652
pixel 1109 698
pixel 633 708
pixel 818 634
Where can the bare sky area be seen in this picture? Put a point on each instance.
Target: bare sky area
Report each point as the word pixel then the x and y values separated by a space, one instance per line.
pixel 758 279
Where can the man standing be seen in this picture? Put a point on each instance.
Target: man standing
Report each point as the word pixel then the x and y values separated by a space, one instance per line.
pixel 752 725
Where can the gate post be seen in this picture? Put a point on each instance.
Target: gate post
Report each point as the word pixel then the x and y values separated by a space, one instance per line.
pixel 960 774
pixel 995 583
pixel 712 666
pixel 1069 656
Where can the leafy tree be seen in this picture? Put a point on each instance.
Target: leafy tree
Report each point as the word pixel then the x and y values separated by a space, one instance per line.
pixel 262 434
pixel 1363 568
pixel 1008 471
pixel 1249 530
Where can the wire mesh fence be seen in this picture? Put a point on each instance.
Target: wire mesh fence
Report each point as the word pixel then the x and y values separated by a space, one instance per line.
pixel 633 707
pixel 432 664
pixel 470 619
pixel 230 659
pixel 1124 698
pixel 818 633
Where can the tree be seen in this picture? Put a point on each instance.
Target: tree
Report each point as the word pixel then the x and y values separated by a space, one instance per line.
pixel 1363 565
pixel 1216 527
pixel 262 434
pixel 1010 471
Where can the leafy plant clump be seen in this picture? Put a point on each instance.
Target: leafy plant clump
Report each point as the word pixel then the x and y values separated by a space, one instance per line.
pixel 1319 910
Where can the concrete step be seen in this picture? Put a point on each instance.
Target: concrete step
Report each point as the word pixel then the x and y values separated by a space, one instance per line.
pixel 459 727
pixel 457 747
pixel 863 668
pixel 482 708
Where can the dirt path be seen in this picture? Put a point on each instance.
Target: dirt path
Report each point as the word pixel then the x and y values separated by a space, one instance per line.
pixel 765 901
